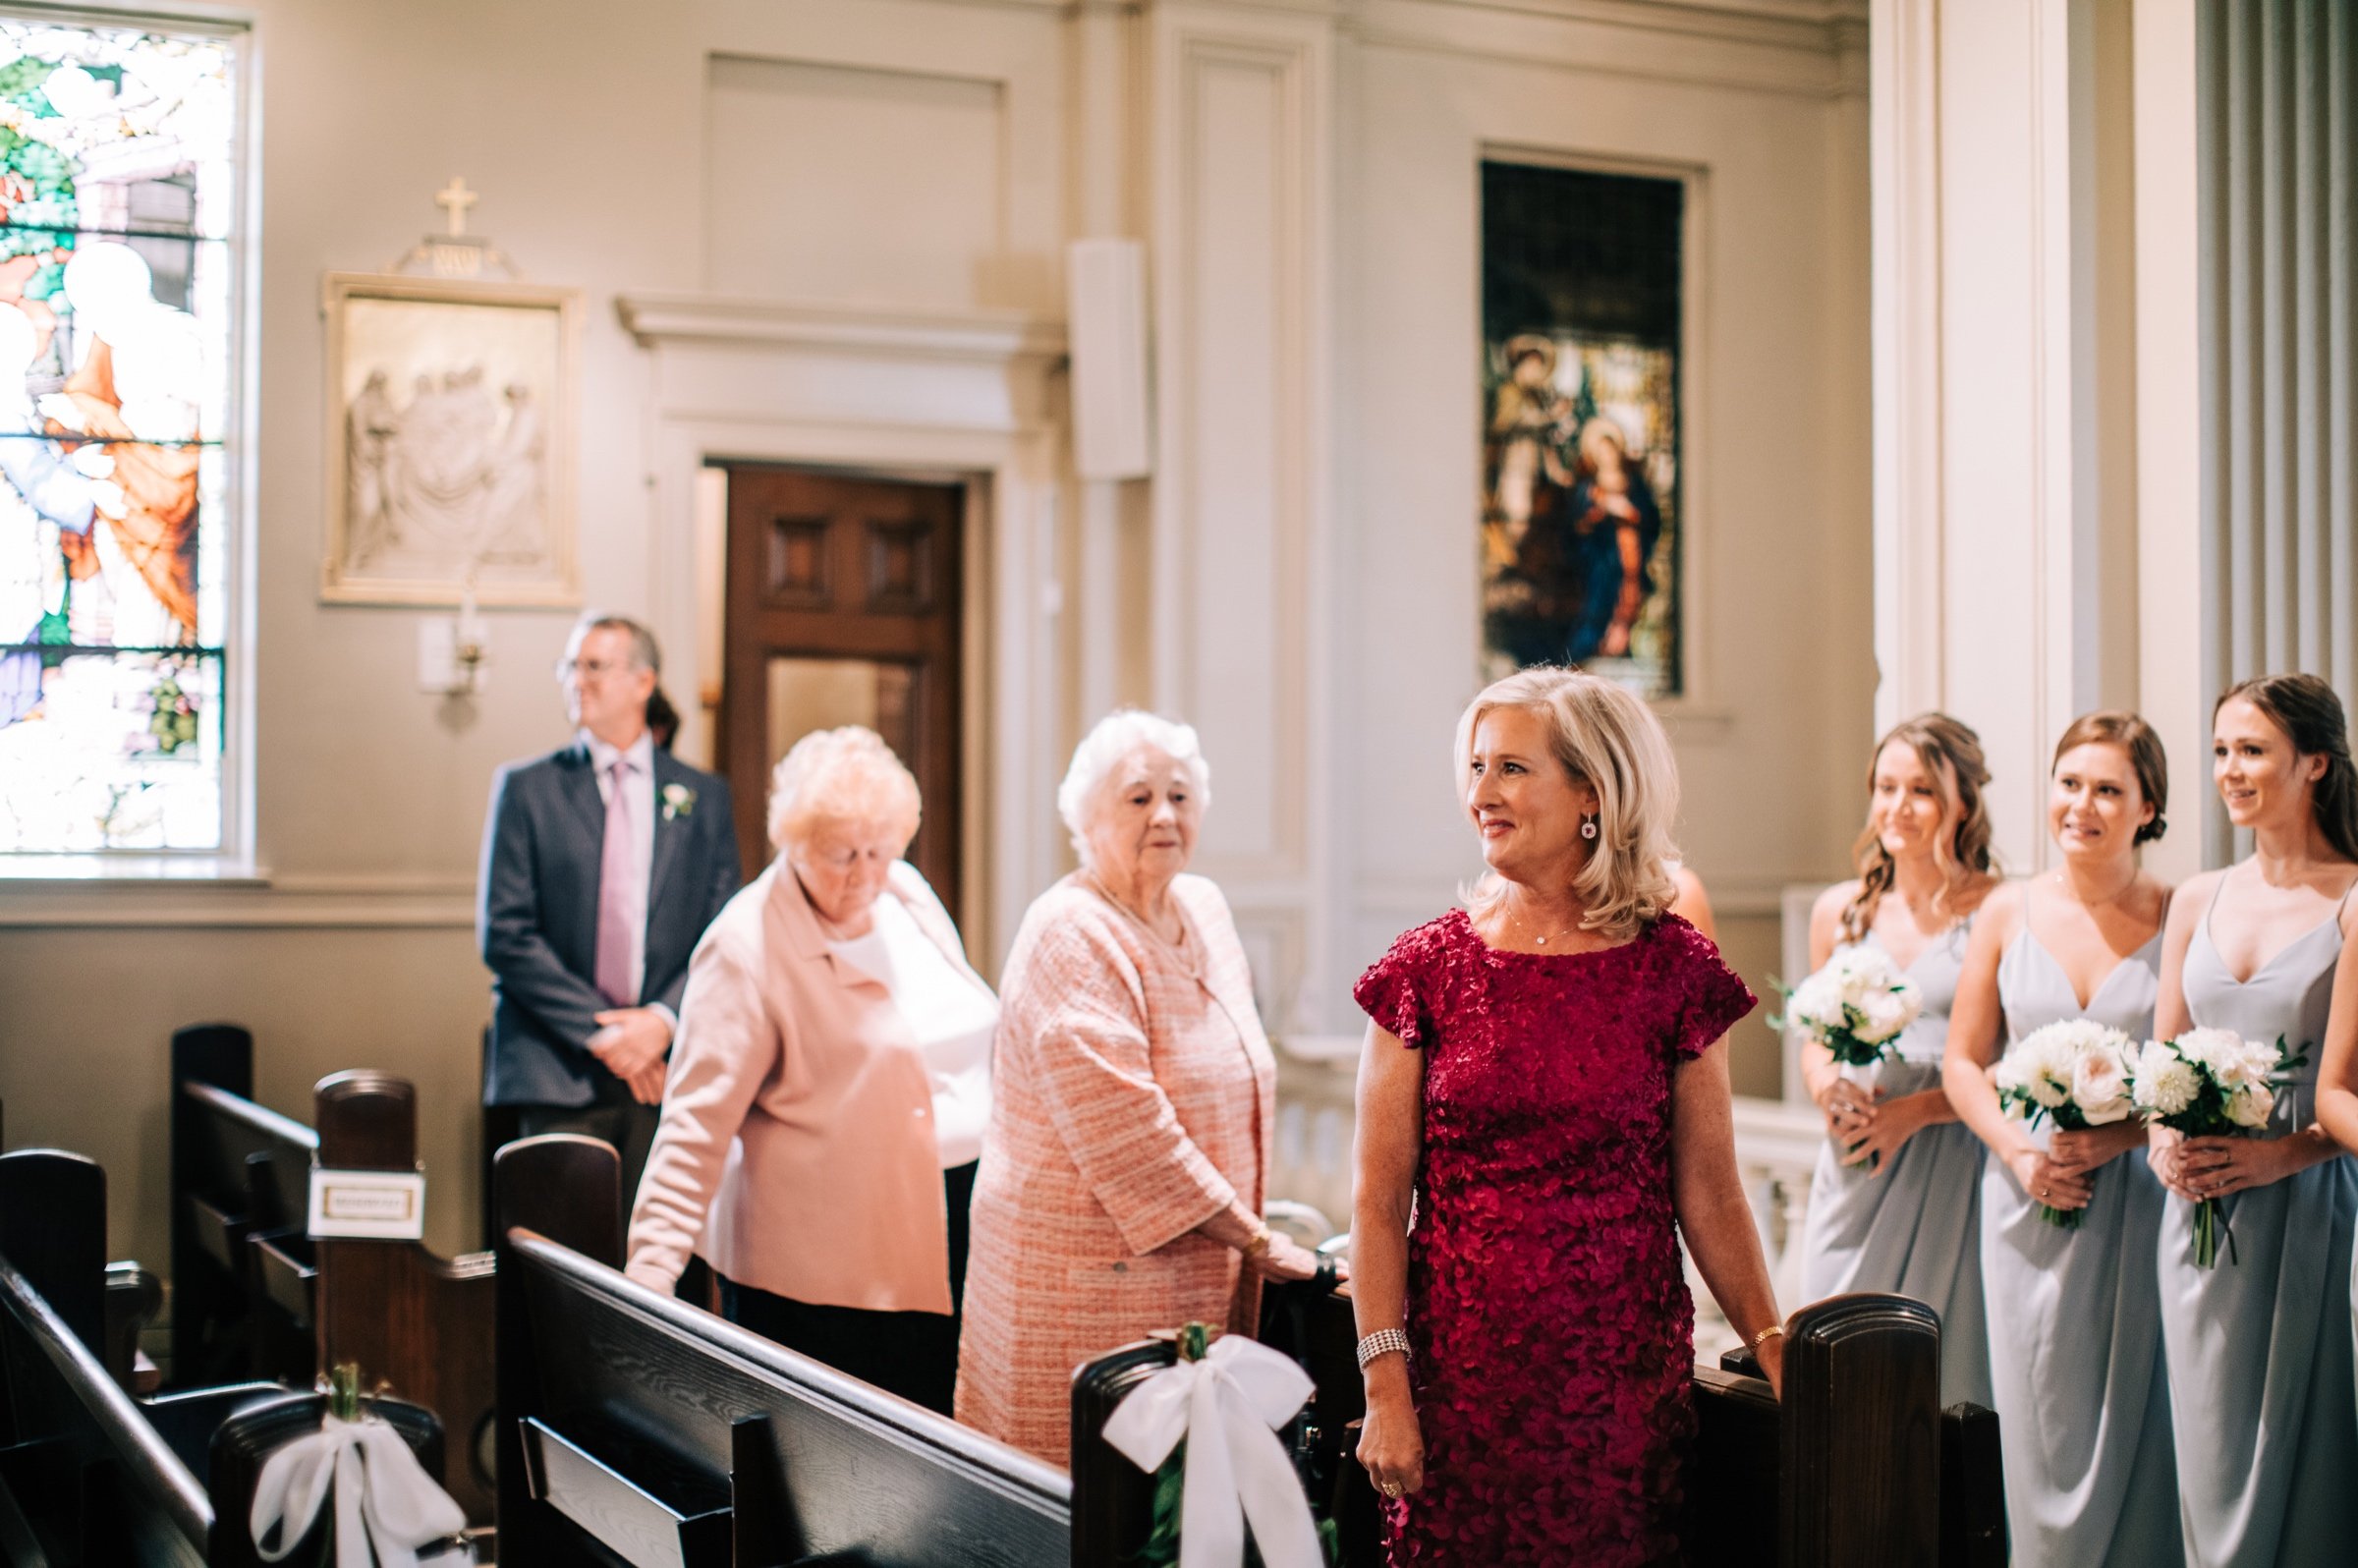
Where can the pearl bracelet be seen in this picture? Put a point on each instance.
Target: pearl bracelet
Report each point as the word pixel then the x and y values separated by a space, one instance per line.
pixel 1383 1342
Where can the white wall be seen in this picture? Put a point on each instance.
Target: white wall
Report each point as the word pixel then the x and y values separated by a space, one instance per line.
pixel 1299 575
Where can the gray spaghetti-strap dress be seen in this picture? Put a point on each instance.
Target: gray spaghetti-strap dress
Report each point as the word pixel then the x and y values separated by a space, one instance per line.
pixel 2075 1315
pixel 2259 1346
pixel 1914 1228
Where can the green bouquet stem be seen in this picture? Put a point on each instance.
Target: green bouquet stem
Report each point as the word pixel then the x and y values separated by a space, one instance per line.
pixel 2063 1219
pixel 2210 1229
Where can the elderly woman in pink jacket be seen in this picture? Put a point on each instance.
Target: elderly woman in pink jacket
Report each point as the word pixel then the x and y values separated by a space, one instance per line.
pixel 1124 1165
pixel 828 1088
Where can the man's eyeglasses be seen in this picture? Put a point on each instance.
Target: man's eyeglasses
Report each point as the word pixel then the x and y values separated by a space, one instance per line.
pixel 589 669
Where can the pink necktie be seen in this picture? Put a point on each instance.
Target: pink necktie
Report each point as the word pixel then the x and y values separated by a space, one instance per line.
pixel 618 895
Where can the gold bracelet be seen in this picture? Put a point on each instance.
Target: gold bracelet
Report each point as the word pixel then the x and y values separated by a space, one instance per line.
pixel 1765 1336
pixel 1258 1247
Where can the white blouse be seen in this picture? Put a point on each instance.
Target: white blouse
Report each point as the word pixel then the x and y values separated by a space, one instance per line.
pixel 952 1018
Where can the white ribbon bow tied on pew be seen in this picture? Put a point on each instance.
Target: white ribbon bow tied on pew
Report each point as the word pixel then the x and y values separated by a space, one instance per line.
pixel 1228 1406
pixel 387 1505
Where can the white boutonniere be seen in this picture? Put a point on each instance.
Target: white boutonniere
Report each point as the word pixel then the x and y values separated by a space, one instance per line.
pixel 678 801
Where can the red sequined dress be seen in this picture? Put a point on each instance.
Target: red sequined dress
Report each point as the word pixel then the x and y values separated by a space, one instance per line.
pixel 1554 1335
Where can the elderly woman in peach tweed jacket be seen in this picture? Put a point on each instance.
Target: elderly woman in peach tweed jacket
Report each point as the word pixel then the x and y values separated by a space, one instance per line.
pixel 1122 1171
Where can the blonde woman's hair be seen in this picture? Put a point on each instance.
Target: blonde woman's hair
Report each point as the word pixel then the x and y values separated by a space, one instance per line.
pixel 1952 753
pixel 1607 739
pixel 846 775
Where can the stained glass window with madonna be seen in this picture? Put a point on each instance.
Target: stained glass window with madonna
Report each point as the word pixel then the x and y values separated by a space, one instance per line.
pixel 117 158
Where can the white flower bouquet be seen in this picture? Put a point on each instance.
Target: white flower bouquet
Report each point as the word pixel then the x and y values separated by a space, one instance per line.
pixel 2074 1073
pixel 1855 1007
pixel 2209 1082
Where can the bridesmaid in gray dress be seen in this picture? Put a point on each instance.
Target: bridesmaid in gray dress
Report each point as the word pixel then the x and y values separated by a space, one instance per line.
pixel 1894 1201
pixel 2075 1317
pixel 2259 1346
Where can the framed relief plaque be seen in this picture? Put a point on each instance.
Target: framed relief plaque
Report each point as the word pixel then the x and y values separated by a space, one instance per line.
pixel 450 423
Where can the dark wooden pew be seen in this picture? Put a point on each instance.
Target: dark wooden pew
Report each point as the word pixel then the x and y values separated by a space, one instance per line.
pixel 242 1265
pixel 1857 1468
pixel 636 1428
pixel 420 1322
pixel 89 1476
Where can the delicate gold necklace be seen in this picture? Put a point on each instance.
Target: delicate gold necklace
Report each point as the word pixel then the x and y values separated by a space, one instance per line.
pixel 1543 941
pixel 2064 885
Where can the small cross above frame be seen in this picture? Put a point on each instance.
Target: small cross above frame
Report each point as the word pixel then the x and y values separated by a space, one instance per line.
pixel 455 199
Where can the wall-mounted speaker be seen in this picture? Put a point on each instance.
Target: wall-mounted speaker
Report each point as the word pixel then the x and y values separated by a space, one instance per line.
pixel 1105 331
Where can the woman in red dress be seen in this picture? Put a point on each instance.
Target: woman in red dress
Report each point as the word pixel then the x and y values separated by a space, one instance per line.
pixel 1542 1079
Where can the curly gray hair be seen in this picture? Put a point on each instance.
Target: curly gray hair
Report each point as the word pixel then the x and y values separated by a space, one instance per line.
pixel 1113 737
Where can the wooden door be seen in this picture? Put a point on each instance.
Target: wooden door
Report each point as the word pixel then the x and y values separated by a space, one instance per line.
pixel 843 598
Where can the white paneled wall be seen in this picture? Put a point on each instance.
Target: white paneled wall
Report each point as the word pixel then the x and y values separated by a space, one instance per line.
pixel 2006 519
pixel 1243 125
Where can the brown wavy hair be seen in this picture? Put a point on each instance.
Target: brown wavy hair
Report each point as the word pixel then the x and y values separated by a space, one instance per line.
pixel 1952 753
pixel 2116 726
pixel 2306 710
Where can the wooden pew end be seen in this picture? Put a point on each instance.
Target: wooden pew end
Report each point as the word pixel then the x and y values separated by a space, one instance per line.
pixel 1973 1490
pixel 567 1188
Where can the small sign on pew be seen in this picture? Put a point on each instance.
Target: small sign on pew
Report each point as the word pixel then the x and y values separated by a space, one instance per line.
pixel 367 1204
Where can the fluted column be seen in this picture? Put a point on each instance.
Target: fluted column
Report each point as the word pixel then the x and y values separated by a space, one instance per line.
pixel 2279 340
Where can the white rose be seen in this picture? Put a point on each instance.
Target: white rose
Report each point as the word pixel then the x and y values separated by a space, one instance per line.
pixel 2251 1105
pixel 2100 1084
pixel 1906 992
pixel 1855 967
pixel 1817 1004
pixel 1881 1015
pixel 2260 1061
pixel 2240 1070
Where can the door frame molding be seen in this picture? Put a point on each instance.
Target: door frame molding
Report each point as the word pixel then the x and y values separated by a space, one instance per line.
pixel 963 397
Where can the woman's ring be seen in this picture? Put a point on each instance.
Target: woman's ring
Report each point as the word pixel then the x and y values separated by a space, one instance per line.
pixel 1391 1489
pixel 2043 1192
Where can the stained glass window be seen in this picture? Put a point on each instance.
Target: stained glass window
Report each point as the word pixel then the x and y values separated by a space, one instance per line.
pixel 1581 532
pixel 117 211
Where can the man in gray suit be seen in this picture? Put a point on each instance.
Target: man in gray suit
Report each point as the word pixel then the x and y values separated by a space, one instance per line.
pixel 603 862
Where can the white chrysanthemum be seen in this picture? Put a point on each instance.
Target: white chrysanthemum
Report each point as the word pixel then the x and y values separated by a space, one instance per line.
pixel 2160 1082
pixel 2251 1105
pixel 2046 1074
pixel 2099 1083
